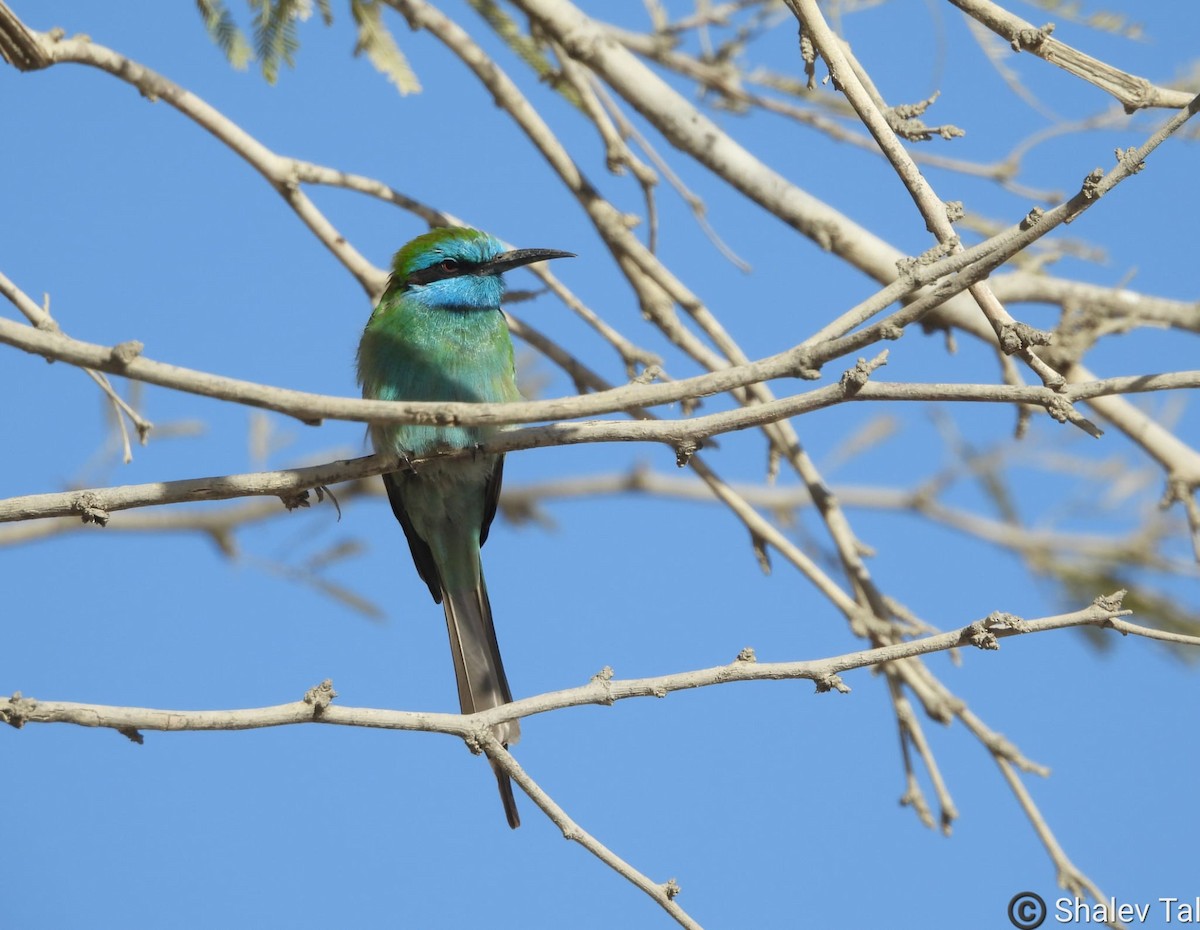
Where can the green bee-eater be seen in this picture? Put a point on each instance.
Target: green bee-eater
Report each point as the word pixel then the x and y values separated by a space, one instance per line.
pixel 438 334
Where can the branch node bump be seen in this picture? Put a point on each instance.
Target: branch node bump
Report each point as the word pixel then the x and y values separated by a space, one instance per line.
pixel 132 734
pixel 603 679
pixel 125 352
pixel 684 452
pixel 982 633
pixel 827 683
pixel 1111 603
pixel 16 710
pixel 671 889
pixel 746 655
pixel 907 266
pixel 294 500
pixel 1032 218
pixel 1031 39
pixel 90 511
pixel 320 696
pixel 955 210
pixel 1091 184
pixel 1017 337
pixel 1128 159
pixel 802 366
pixel 824 234
pixel 648 375
pixel 853 379
pixel 1060 408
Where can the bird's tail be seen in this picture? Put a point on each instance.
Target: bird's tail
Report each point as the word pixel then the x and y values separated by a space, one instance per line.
pixel 480 672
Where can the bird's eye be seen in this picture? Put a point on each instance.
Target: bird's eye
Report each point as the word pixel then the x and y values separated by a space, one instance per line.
pixel 448 264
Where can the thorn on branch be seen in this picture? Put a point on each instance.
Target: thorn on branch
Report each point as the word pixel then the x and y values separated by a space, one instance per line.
pixel 761 555
pixel 949 815
pixel 320 696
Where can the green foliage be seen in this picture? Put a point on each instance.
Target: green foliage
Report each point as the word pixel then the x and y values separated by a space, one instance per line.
pixel 275 37
pixel 522 45
pixel 224 32
pixel 276 40
pixel 376 41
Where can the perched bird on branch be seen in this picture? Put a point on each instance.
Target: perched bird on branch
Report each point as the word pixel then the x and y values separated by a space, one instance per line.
pixel 438 334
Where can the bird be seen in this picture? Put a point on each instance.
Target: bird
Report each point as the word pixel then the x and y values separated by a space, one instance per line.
pixel 438 334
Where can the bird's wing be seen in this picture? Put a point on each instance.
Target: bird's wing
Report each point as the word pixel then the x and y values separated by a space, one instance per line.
pixel 491 498
pixel 421 554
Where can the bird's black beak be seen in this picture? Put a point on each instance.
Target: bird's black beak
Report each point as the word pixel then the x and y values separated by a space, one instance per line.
pixel 506 261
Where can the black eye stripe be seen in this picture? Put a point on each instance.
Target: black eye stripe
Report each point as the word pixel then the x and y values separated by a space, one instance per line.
pixel 439 272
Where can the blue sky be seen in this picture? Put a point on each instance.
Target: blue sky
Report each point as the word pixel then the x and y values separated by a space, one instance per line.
pixel 769 805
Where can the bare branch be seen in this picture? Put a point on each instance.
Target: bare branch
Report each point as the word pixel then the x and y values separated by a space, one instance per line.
pixel 1131 91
